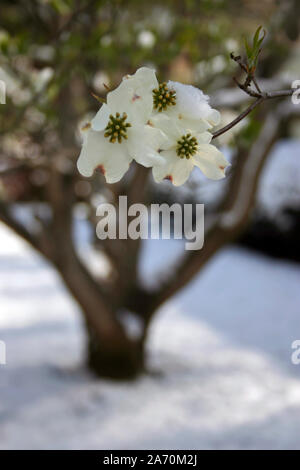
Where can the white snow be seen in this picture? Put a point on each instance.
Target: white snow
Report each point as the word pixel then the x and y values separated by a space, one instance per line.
pixel 220 353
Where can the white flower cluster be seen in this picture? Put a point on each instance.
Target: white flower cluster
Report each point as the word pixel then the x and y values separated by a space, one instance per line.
pixel 164 126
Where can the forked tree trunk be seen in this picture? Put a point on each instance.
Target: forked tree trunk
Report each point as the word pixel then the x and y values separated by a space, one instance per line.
pixel 110 352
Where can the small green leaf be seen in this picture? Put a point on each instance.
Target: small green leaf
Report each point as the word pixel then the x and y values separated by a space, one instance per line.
pixel 254 51
pixel 256 36
pixel 248 49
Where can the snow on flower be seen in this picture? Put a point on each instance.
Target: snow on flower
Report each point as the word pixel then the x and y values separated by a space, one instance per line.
pixel 186 103
pixel 119 132
pixel 184 150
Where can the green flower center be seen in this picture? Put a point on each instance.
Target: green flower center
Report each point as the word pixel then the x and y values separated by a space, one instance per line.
pixel 163 97
pixel 116 129
pixel 186 146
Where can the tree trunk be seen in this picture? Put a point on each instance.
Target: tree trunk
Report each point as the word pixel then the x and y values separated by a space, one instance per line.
pixel 119 360
pixel 110 352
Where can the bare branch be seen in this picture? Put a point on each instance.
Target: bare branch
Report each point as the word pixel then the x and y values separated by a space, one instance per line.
pixel 249 69
pixel 261 97
pixel 239 118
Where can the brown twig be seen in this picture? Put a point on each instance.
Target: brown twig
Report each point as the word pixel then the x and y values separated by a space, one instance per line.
pixel 246 87
pixel 237 119
pixel 259 99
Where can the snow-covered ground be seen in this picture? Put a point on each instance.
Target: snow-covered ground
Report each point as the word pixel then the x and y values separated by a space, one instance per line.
pixel 223 346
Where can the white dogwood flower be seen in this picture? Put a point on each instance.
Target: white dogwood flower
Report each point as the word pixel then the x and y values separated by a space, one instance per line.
pixel 96 153
pixel 164 126
pixel 187 104
pixel 185 149
pixel 119 132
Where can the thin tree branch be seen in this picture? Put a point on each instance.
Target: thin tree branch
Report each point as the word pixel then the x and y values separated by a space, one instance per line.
pixel 259 99
pixel 238 118
pixel 246 87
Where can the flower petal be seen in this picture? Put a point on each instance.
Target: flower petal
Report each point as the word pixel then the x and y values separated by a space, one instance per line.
pixel 144 145
pixel 181 171
pixel 191 106
pixel 211 161
pixel 214 117
pixel 203 137
pixel 169 126
pixel 176 169
pixel 99 122
pixel 116 165
pixel 90 155
pixel 134 96
pixel 97 152
pixel 146 76
pixel 194 125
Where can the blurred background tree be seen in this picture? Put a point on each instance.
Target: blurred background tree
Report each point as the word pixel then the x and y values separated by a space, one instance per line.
pixel 54 55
